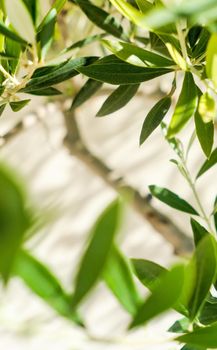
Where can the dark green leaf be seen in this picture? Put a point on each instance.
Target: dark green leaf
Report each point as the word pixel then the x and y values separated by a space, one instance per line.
pixel 50 91
pixel 203 337
pixel 164 296
pixel 154 118
pixel 44 284
pixel 189 347
pixel 198 230
pixel 18 105
pixel 148 272
pixel 58 75
pixel 118 99
pixel 102 19
pixel 12 49
pixel 32 7
pixel 11 35
pixel 86 41
pixel 186 105
pixel 97 252
pixel 112 70
pixel 180 326
pixel 118 275
pixel 208 313
pixel 209 163
pixel 88 90
pixel 172 199
pixel 14 220
pixel 2 108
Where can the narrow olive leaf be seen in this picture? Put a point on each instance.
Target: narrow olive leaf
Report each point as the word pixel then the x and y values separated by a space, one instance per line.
pixel 9 34
pixel 154 118
pixel 2 108
pixel 12 49
pixel 144 5
pixel 136 55
pixel 209 163
pixel 205 133
pixel 86 41
pixel 102 19
pixel 88 90
pixel 50 91
pixel 118 275
pixel 46 34
pixel 65 71
pixel 58 5
pixel 14 220
pixel 173 200
pixel 164 296
pixel 198 230
pixel 18 105
pixel 215 213
pixel 205 263
pixel 176 56
pixel 112 70
pixel 202 337
pixel 186 105
pixel 42 71
pixel 201 44
pixel 180 326
pixel 211 58
pixel 32 6
pixel 148 272
pixel 130 12
pixel 208 313
pixel 118 99
pixel 97 252
pixel 44 284
pixel 207 107
pixel 20 19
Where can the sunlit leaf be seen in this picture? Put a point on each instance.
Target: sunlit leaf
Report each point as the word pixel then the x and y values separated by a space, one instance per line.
pixel 198 230
pixel 209 163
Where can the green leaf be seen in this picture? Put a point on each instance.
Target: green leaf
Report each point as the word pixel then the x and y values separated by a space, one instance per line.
pixel 203 337
pixel 180 326
pixel 11 35
pixel 12 49
pixel 164 296
pixel 130 12
pixel 58 75
pixel 118 99
pixel 154 118
pixel 208 313
pixel 20 19
pixel 97 252
pixel 118 275
pixel 186 105
pixel 176 56
pixel 201 44
pixel 32 6
pixel 58 5
pixel 209 163
pixel 50 91
pixel 173 200
pixel 148 272
pixel 189 347
pixel 112 70
pixel 18 105
pixel 144 5
pixel 88 90
pixel 44 284
pixel 198 230
pixel 2 108
pixel 205 133
pixel 102 19
pixel 205 263
pixel 14 219
pixel 46 34
pixel 135 55
pixel 82 43
pixel 211 58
